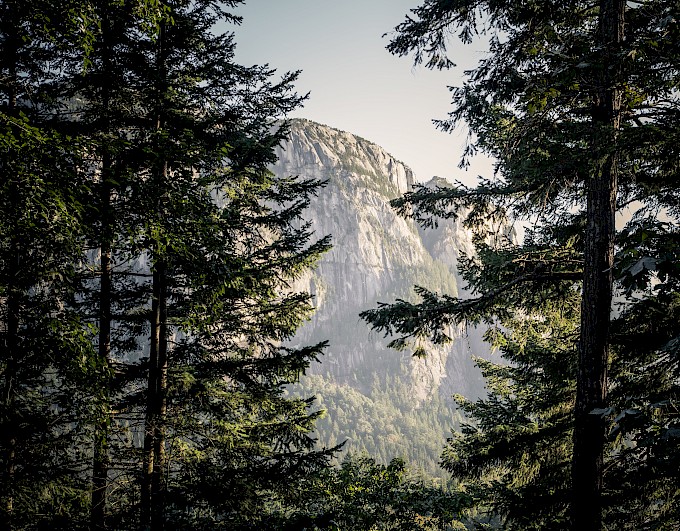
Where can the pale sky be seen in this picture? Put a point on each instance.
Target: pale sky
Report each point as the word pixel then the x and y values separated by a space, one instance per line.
pixel 356 85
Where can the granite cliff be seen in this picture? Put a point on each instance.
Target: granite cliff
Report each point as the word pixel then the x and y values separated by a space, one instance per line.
pixel 376 256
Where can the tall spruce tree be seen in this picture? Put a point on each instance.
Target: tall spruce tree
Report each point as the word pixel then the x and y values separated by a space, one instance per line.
pixel 514 452
pixel 94 96
pixel 100 88
pixel 221 238
pixel 575 102
pixel 643 474
pixel 146 320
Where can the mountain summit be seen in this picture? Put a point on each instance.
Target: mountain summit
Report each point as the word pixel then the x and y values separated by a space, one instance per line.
pixel 376 256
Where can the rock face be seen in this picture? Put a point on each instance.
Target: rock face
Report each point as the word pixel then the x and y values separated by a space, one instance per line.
pixel 376 256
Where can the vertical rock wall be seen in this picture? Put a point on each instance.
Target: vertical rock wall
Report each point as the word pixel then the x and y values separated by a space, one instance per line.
pixel 376 256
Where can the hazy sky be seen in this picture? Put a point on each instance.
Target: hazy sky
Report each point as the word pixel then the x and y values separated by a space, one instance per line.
pixel 354 83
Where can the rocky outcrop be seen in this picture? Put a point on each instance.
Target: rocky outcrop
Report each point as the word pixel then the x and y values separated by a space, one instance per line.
pixel 376 256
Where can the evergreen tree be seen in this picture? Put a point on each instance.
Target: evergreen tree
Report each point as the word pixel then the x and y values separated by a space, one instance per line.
pixel 146 320
pixel 643 475
pixel 513 453
pixel 99 95
pixel 575 102
pixel 43 342
pixel 364 495
pixel 221 239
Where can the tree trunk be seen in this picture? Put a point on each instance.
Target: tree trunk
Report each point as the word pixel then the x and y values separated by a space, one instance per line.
pixel 153 485
pixel 154 443
pixel 158 469
pixel 150 420
pixel 9 441
pixel 100 464
pixel 589 428
pixel 100 460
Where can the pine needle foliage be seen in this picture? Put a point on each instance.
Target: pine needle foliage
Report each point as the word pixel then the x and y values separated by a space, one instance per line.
pixel 577 103
pixel 147 263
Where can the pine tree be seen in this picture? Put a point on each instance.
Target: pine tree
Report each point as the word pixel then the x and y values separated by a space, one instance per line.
pixel 514 451
pixel 362 494
pixel 43 342
pixel 154 299
pixel 574 101
pixel 643 474
pixel 100 87
pixel 222 239
pixel 99 95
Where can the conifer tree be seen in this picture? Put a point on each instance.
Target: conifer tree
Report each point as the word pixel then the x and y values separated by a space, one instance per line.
pixel 155 297
pixel 43 342
pixel 574 101
pixel 101 87
pixel 222 239
pixel 96 96
pixel 362 494
pixel 514 451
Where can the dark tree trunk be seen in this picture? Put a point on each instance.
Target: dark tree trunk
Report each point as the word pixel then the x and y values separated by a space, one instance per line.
pixel 150 421
pixel 9 438
pixel 158 469
pixel 589 429
pixel 100 464
pixel 154 443
pixel 153 484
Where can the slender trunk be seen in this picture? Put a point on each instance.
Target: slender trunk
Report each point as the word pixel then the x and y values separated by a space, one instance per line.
pixel 100 463
pixel 9 439
pixel 591 392
pixel 154 443
pixel 150 427
pixel 153 485
pixel 158 478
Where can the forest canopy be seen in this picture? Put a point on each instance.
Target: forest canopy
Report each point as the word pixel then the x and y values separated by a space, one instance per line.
pixel 148 257
pixel 578 104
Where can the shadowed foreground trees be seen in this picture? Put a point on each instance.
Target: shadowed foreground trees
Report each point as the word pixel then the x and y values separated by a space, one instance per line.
pixel 146 258
pixel 146 262
pixel 43 343
pixel 362 494
pixel 577 103
pixel 145 273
